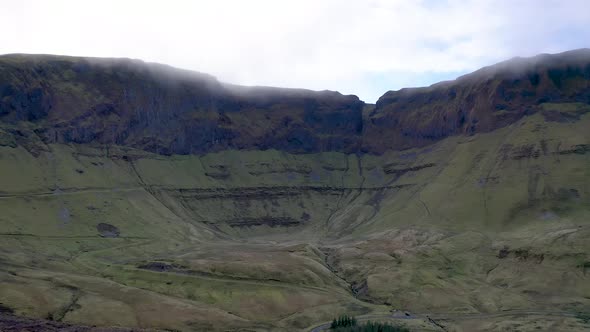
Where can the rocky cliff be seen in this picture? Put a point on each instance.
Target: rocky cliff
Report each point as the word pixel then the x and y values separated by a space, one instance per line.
pixel 487 99
pixel 165 110
pixel 171 111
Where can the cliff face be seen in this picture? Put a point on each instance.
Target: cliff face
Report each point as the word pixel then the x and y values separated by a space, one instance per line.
pixel 166 110
pixel 482 101
pixel 170 111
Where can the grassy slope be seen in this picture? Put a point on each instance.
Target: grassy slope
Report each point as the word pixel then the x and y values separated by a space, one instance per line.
pixel 418 229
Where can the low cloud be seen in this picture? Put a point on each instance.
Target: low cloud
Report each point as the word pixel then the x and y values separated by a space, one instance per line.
pixel 360 47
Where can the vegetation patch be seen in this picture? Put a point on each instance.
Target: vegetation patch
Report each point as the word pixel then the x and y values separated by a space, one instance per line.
pixel 576 149
pixel 107 230
pixel 390 169
pixel 564 112
pixel 161 267
pixel 584 317
pixel 350 324
pixel 521 254
pixel 263 221
pixel 5 310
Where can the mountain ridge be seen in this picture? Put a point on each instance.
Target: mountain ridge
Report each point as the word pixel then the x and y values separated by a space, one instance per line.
pixel 162 109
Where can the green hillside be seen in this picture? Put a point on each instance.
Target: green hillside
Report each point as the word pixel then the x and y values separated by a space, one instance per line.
pixel 268 240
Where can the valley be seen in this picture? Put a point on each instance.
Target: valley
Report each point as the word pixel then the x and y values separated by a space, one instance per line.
pixel 480 230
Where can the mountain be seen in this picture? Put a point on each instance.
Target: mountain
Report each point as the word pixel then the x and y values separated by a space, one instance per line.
pixel 142 196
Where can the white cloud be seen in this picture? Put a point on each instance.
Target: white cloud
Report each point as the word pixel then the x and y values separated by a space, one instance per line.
pixel 330 44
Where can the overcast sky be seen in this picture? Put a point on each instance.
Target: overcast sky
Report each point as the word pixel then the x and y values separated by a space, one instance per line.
pixel 363 47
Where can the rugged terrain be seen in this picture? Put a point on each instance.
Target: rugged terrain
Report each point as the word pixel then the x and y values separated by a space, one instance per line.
pixel 141 196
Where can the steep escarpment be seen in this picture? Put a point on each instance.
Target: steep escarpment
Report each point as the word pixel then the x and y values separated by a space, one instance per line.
pixel 168 111
pixel 165 110
pixel 487 99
